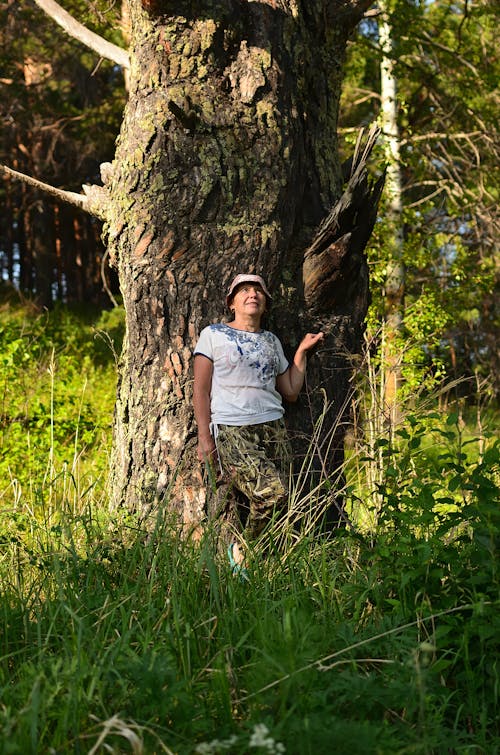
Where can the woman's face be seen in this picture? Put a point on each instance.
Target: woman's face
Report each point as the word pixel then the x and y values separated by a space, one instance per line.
pixel 248 299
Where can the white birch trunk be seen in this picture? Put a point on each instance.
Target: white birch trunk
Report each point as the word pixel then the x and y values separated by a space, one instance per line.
pixel 395 278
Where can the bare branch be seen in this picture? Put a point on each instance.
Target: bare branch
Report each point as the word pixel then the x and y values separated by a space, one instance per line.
pixel 428 197
pixel 444 48
pixel 441 135
pixel 78 31
pixel 84 202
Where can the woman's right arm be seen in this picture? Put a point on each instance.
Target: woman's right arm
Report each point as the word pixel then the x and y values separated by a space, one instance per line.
pixel 203 370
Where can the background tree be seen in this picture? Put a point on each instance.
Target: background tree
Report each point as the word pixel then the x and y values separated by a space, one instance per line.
pixel 444 61
pixel 394 285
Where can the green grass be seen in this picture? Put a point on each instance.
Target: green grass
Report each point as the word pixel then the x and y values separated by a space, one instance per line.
pixel 147 644
pixel 380 640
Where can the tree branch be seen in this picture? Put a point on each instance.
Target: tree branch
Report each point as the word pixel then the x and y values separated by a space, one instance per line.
pixel 91 202
pixel 78 31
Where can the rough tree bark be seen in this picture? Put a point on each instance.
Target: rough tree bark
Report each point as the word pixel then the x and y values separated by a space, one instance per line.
pixel 227 162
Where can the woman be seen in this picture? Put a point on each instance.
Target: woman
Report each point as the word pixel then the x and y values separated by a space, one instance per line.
pixel 240 377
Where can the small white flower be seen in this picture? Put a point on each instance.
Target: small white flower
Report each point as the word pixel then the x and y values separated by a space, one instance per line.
pixel 208 748
pixel 215 746
pixel 259 736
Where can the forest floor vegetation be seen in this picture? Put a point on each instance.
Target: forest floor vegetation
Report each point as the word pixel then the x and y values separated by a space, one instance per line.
pixel 382 639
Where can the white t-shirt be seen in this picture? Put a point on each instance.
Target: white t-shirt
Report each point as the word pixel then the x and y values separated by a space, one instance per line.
pixel 244 378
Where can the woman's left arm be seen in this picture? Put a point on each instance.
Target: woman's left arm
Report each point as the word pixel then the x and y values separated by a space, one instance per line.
pixel 289 384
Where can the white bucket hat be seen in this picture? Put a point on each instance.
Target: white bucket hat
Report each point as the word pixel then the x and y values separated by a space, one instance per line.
pixel 244 278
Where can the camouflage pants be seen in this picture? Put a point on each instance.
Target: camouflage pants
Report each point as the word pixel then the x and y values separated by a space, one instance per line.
pixel 256 461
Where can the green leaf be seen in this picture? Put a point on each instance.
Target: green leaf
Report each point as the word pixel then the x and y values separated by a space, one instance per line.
pixel 455 483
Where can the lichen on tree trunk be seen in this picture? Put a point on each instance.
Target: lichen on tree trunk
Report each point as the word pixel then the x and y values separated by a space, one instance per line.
pixel 227 162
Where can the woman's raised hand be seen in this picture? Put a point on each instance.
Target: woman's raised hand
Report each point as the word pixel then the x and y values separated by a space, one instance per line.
pixel 311 340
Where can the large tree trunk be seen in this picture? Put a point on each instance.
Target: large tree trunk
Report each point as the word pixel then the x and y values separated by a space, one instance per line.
pixel 227 162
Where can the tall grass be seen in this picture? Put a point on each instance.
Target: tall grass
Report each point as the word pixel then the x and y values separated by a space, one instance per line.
pixel 114 641
pixel 380 640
